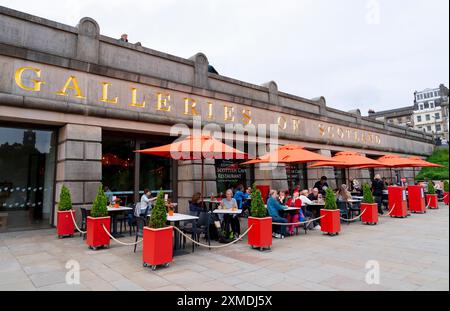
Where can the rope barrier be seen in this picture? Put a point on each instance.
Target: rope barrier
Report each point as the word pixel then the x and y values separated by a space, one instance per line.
pixel 123 243
pixel 76 226
pixel 359 216
pixel 428 205
pixel 214 246
pixel 392 209
pixel 297 223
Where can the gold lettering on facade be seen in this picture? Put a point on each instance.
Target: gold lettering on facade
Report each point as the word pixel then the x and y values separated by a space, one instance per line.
pixel 104 98
pixel 189 105
pixel 71 84
pixel 134 102
pixel 322 129
pixel 36 83
pixel 228 113
pixel 210 111
pixel 282 123
pixel 246 116
pixel 295 125
pixel 162 103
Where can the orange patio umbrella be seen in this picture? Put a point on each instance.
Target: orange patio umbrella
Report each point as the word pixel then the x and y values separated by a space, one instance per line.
pixel 198 147
pixel 347 160
pixel 422 163
pixel 289 154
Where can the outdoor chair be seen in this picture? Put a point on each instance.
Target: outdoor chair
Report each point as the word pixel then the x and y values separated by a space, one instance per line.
pixel 202 228
pixel 140 224
pixel 344 209
pixel 131 219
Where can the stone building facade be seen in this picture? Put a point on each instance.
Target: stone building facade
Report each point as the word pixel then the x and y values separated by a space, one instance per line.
pixel 89 98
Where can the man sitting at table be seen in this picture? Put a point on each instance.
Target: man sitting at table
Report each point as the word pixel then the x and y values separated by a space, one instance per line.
pixel 274 207
pixel 239 196
pixel 146 201
pixel 314 195
pixel 229 203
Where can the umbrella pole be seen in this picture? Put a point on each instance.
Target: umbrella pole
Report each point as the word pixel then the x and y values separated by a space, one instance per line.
pixel 203 163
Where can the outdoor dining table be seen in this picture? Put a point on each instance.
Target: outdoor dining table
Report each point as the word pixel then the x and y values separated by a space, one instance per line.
pixel 176 218
pixel 212 203
pixel 226 211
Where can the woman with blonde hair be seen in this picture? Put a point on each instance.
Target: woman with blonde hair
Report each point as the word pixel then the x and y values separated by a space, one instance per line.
pixel 343 194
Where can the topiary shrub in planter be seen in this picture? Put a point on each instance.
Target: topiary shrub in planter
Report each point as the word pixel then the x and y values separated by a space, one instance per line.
pixel 157 247
pixel 260 235
pixel 432 199
pixel 331 222
pixel 446 192
pixel 369 208
pixel 96 235
pixel 65 214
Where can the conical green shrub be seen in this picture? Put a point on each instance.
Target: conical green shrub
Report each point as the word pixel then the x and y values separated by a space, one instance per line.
pixel 330 200
pixel 257 208
pixel 99 207
pixel 158 218
pixel 367 194
pixel 65 200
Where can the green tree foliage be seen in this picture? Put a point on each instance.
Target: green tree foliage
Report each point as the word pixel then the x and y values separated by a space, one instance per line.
pixel 99 207
pixel 65 201
pixel 439 156
pixel 446 186
pixel 330 200
pixel 367 194
pixel 158 219
pixel 431 189
pixel 257 208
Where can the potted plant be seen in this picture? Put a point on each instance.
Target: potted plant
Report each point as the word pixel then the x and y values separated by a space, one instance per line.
pixel 96 235
pixel 66 216
pixel 369 209
pixel 331 222
pixel 446 192
pixel 157 246
pixel 432 200
pixel 260 235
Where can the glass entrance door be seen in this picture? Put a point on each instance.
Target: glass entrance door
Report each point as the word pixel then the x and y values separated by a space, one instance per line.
pixel 27 166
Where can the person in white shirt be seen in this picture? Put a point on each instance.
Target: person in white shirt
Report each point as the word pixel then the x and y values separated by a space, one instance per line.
pixel 305 201
pixel 146 201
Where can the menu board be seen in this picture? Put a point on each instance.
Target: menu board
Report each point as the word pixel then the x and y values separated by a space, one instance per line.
pixel 229 174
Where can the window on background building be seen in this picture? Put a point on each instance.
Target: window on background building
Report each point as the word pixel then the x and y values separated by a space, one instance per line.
pixel 437 116
pixel 420 107
pixel 431 104
pixel 429 128
pixel 419 118
pixel 436 94
pixel 426 105
pixel 27 169
pixel 427 117
pixel 438 128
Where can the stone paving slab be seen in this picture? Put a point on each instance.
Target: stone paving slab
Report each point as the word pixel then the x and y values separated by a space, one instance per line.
pixel 412 253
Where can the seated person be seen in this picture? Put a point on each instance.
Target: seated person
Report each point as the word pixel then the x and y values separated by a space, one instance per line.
pixel 145 204
pixel 195 204
pixel 322 185
pixel 343 194
pixel 229 203
pixel 306 201
pixel 247 203
pixel 294 201
pixel 314 195
pixel 283 197
pixel 274 207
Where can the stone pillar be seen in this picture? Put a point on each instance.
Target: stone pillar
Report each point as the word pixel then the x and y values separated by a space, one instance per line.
pixel 314 174
pixel 88 40
pixel 189 181
pixel 272 175
pixel 79 165
pixel 201 64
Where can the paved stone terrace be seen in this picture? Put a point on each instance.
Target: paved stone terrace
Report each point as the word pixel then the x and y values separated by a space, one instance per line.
pixel 413 254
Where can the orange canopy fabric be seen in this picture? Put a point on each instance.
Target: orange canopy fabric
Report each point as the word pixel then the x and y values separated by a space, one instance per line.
pixel 196 148
pixel 422 163
pixel 348 159
pixel 289 154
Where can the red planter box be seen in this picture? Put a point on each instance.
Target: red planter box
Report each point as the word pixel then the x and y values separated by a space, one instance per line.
pixel 157 247
pixel 432 201
pixel 370 211
pixel 264 191
pixel 397 202
pixel 260 235
pixel 96 235
pixel 331 223
pixel 446 198
pixel 65 226
pixel 416 199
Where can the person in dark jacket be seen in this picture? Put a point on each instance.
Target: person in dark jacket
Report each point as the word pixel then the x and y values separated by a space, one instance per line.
pixel 195 205
pixel 322 185
pixel 377 191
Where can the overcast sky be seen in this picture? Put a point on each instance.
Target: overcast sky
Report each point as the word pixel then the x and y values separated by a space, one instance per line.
pixel 357 53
